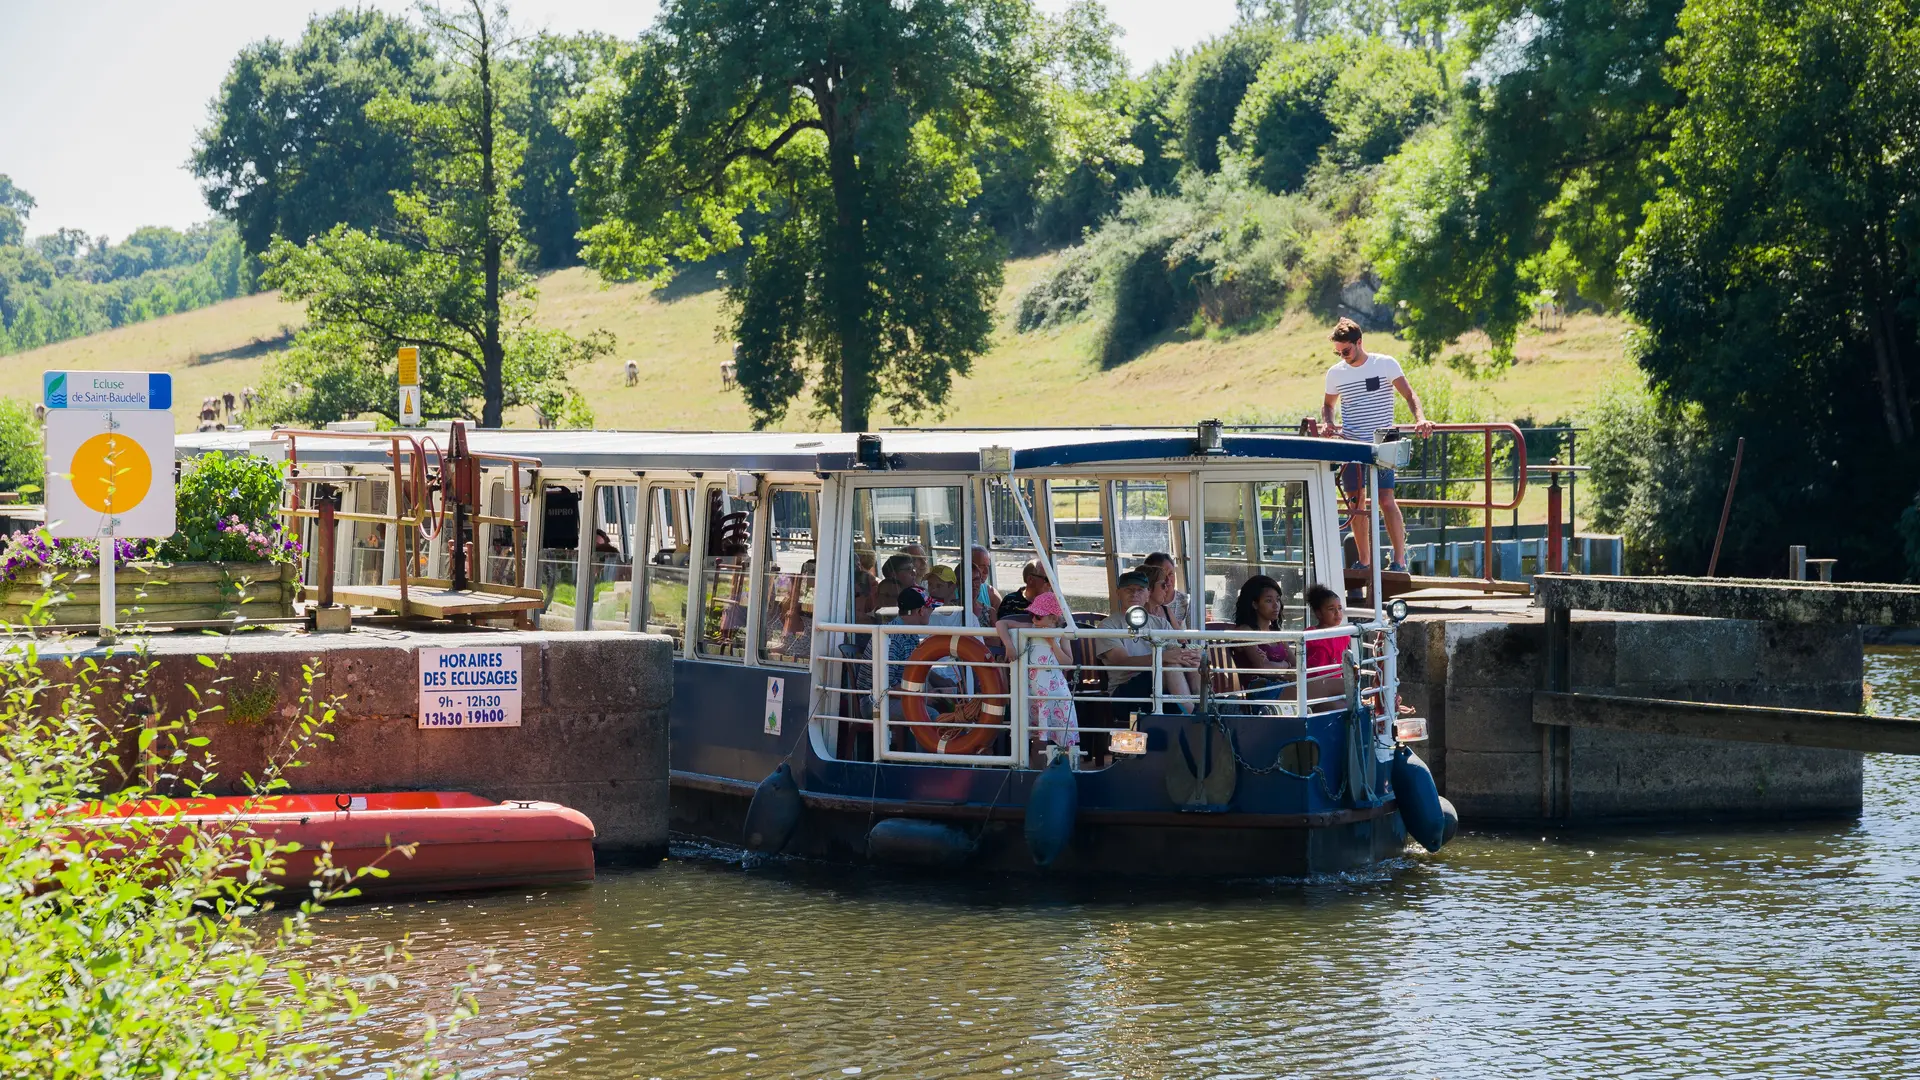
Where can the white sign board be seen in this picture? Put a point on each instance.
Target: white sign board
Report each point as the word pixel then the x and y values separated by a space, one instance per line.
pixel 109 472
pixel 148 391
pixel 470 687
pixel 776 703
pixel 409 406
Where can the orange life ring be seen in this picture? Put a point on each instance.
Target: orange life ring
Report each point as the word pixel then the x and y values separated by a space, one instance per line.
pixel 991 704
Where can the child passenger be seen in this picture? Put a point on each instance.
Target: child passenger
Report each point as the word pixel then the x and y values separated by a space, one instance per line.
pixel 1049 697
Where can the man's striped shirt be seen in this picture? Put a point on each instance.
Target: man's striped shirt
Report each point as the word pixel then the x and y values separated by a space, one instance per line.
pixel 1366 394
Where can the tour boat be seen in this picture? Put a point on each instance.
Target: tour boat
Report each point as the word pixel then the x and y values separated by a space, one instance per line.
pixel 798 725
pixel 459 841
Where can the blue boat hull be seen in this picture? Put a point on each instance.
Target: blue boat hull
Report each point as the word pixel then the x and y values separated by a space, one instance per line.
pixel 1127 824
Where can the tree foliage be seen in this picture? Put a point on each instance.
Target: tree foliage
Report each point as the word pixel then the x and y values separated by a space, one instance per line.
pixel 553 72
pixel 448 278
pixel 290 150
pixel 21 462
pixel 15 207
pixel 850 128
pixel 1778 271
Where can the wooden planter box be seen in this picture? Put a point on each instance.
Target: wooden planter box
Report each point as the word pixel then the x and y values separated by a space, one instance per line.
pixel 156 593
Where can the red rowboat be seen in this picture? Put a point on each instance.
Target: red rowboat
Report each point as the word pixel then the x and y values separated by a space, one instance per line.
pixel 462 840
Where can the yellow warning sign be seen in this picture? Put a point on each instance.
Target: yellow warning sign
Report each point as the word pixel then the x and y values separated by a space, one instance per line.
pixel 409 406
pixel 111 473
pixel 409 357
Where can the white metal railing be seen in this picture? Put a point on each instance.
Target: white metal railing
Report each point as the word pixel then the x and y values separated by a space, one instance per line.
pixel 1296 690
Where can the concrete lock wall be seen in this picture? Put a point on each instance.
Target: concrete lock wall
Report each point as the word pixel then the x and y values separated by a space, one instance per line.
pixel 1474 678
pixel 593 732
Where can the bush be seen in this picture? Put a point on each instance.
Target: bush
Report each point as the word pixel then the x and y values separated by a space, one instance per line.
pixel 1218 254
pixel 1282 123
pixel 1211 87
pixel 22 464
pixel 227 511
pixel 1644 457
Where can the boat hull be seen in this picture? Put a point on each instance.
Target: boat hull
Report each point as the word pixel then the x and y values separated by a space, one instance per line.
pixel 426 842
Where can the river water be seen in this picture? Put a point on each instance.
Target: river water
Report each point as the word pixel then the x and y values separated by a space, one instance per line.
pixel 1771 951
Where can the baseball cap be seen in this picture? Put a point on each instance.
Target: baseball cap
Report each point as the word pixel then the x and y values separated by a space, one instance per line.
pixel 941 573
pixel 912 600
pixel 1134 579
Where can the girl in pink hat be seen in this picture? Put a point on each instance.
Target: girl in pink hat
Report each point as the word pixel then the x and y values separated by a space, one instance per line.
pixel 1049 698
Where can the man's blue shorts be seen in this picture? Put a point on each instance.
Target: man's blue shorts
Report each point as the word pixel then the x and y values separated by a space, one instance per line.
pixel 1353 480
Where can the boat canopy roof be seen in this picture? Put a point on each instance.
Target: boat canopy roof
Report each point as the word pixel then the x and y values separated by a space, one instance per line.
pixel 949 450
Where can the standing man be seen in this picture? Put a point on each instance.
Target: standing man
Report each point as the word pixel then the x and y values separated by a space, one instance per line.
pixel 1363 384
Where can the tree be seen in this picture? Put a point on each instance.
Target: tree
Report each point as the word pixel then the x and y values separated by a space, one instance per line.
pixel 1553 143
pixel 1212 86
pixel 555 71
pixel 15 206
pixel 21 461
pixel 291 151
pixel 448 280
pixel 851 126
pixel 1778 272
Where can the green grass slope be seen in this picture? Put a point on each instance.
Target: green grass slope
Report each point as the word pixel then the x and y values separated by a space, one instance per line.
pixel 1043 378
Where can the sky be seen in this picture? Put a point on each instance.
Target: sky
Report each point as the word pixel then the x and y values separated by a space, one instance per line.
pixel 100 99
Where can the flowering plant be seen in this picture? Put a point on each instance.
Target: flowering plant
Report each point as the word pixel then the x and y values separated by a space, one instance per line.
pixel 227 511
pixel 27 555
pixel 271 544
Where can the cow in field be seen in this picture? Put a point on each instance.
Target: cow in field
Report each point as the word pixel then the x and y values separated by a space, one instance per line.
pixel 633 373
pixel 727 374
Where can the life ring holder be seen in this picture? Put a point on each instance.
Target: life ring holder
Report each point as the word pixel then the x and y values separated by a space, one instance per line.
pixel 990 681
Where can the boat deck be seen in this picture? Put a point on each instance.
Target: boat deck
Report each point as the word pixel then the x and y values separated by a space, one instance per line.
pixel 439 601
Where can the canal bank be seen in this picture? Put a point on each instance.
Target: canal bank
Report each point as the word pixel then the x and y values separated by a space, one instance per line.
pixel 591 731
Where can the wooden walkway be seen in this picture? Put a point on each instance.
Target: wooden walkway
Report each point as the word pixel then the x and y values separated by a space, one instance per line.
pixel 436 600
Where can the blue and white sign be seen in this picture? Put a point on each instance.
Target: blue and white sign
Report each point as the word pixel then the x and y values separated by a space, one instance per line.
pixel 470 687
pixel 151 391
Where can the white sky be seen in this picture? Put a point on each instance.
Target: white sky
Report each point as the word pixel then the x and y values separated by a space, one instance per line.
pixel 99 99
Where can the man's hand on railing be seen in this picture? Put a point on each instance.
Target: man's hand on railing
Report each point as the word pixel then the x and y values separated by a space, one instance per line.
pixel 1422 427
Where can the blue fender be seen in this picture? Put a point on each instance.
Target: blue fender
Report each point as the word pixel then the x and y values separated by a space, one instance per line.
pixel 918 843
pixel 1419 799
pixel 1452 817
pixel 774 812
pixel 1052 806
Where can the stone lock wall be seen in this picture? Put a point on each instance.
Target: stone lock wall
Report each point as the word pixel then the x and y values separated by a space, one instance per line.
pixel 593 731
pixel 1474 678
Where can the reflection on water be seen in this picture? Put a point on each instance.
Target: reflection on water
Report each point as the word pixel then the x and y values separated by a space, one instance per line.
pixel 1782 950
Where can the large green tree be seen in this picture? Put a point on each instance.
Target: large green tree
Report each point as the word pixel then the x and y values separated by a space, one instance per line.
pixel 849 127
pixel 15 205
pixel 1778 273
pixel 447 278
pixel 290 151
pixel 554 71
pixel 1540 178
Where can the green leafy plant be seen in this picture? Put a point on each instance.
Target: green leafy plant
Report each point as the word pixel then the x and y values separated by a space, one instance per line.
pixel 226 512
pixel 131 953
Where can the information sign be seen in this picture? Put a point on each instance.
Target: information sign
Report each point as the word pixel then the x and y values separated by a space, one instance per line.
pixel 151 391
pixel 470 687
pixel 776 703
pixel 407 360
pixel 109 473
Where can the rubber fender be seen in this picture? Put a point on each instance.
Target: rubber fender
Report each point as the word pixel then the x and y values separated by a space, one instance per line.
pixel 918 843
pixel 1419 799
pixel 774 812
pixel 1052 807
pixel 1452 818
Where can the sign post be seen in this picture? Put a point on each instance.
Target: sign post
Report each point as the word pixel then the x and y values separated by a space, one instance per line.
pixel 408 359
pixel 109 462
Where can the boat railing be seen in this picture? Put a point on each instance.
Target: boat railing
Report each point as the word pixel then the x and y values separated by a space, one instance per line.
pixel 864 686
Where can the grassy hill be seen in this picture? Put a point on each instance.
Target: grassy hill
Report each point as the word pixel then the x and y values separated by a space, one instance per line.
pixel 1043 378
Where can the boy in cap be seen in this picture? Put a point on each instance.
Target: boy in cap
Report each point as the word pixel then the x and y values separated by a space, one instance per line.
pixel 1137 652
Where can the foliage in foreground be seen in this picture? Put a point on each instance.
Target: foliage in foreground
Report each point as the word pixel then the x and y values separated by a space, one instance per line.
pixel 130 951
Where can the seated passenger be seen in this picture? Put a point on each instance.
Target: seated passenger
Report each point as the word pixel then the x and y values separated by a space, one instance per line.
pixel 986 598
pixel 1325 612
pixel 1035 577
pixel 1137 652
pixel 1161 594
pixel 1258 608
pixel 896 574
pixel 1177 607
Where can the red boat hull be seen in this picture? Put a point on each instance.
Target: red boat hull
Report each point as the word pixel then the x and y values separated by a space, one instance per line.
pixel 459 841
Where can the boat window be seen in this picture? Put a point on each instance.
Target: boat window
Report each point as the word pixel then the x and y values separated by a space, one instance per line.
pixel 786 615
pixel 723 578
pixel 559 554
pixel 498 566
pixel 669 546
pixel 1256 527
pixel 899 533
pixel 1143 526
pixel 369 559
pixel 1080 543
pixel 615 532
pixel 1008 546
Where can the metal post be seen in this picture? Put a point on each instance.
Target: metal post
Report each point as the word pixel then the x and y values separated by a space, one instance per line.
pixel 1555 564
pixel 1373 527
pixel 1556 761
pixel 107 620
pixel 326 502
pixel 1797 562
pixel 1486 506
pixel 1159 705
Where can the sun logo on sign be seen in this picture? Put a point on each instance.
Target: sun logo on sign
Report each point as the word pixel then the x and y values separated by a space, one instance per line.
pixel 111 473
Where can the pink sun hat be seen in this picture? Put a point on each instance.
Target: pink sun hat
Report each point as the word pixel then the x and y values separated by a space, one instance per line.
pixel 1046 603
